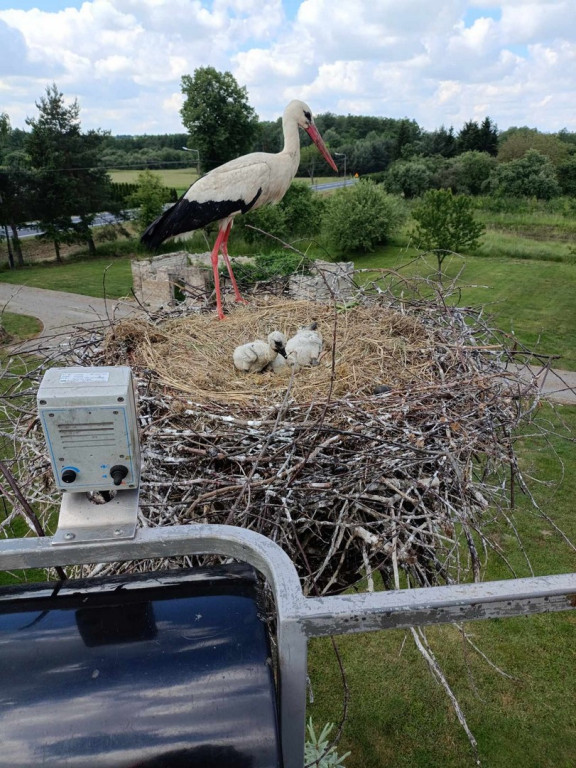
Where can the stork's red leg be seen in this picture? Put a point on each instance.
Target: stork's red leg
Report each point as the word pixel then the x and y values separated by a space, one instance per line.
pixel 215 250
pixel 224 247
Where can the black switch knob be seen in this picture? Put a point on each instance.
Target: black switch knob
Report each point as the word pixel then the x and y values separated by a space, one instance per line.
pixel 68 476
pixel 118 473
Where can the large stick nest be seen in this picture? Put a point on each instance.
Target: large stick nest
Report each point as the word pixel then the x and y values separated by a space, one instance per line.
pixel 405 482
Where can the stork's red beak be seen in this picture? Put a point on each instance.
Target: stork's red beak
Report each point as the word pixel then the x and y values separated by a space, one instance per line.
pixel 312 131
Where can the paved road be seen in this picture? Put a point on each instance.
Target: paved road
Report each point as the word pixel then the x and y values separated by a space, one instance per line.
pixel 59 312
pixel 559 386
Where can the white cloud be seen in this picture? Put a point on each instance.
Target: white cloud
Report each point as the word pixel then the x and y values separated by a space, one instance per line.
pixel 443 64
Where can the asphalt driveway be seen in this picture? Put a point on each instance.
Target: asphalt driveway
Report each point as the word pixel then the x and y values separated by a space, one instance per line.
pixel 60 312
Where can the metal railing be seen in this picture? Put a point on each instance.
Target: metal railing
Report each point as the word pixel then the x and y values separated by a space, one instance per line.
pixel 300 617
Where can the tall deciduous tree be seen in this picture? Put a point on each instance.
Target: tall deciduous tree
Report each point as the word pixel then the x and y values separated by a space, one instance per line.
pixel 517 142
pixel 15 191
pixel 69 179
pixel 217 115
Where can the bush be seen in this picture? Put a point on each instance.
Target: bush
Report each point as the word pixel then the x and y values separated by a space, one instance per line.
pixel 150 197
pixel 410 178
pixel 267 266
pixel 445 222
pixel 298 214
pixel 533 175
pixel 360 217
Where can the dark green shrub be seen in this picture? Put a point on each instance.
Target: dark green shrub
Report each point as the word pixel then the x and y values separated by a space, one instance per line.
pixel 360 217
pixel 298 214
pixel 533 175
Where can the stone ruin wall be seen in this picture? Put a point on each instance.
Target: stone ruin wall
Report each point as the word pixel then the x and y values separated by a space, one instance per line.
pixel 155 280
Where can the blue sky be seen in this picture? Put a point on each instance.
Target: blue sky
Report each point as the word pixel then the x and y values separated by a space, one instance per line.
pixel 440 63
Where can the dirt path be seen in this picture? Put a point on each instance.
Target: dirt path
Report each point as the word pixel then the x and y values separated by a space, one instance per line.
pixel 59 312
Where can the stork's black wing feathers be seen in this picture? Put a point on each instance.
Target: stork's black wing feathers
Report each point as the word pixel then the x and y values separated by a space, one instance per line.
pixel 187 215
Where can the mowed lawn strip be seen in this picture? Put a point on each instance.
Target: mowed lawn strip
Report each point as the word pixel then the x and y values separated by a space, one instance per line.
pixel 400 717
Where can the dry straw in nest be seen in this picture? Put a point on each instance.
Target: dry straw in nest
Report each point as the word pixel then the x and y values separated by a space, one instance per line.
pixel 364 347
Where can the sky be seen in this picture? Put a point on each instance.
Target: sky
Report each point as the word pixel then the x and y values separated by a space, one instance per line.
pixel 439 62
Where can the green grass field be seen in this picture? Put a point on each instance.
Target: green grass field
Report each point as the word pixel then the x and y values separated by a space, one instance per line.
pixel 532 299
pixel 400 717
pixel 20 327
pixel 85 277
pixel 180 178
pixel 174 178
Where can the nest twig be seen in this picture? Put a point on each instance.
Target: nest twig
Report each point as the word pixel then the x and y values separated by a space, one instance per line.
pixel 405 482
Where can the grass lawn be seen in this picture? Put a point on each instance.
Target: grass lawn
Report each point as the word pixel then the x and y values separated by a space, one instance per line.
pixel 532 299
pixel 399 716
pixel 20 327
pixel 85 277
pixel 181 178
pixel 177 178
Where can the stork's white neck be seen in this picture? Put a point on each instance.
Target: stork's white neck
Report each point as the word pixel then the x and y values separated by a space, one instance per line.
pixel 291 140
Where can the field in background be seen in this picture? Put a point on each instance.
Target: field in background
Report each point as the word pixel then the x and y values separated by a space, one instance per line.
pixel 174 178
pixel 181 178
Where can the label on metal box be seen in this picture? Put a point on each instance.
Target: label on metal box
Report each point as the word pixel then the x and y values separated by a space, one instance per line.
pixel 81 377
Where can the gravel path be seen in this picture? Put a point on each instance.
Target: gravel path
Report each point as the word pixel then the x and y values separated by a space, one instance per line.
pixel 59 312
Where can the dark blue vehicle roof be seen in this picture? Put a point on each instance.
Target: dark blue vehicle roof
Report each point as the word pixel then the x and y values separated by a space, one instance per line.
pixel 162 670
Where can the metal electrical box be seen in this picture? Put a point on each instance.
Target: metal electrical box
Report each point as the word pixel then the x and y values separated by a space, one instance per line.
pixel 89 419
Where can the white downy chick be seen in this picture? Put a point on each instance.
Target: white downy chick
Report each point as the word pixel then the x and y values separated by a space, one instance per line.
pixel 305 346
pixel 256 356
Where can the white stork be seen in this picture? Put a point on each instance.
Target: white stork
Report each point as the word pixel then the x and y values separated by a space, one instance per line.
pixel 238 186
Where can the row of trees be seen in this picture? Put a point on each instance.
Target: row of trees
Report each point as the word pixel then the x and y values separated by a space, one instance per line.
pixel 57 174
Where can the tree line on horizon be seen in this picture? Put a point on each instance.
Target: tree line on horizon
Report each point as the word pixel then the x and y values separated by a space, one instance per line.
pixel 57 174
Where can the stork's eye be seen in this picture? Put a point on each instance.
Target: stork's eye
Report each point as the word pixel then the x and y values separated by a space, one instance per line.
pixel 308 115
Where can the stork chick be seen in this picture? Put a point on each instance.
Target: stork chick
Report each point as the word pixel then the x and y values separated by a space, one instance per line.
pixel 305 346
pixel 256 356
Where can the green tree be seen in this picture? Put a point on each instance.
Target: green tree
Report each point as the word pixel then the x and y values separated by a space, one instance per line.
pixel 16 194
pixel 4 127
pixel 468 137
pixel 566 172
pixel 16 187
pixel 360 217
pixel 69 181
pixel 216 114
pixel 478 138
pixel 470 172
pixel 515 143
pixel 488 137
pixel 445 223
pixel 149 198
pixel 532 175
pixel 439 142
pixel 410 178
